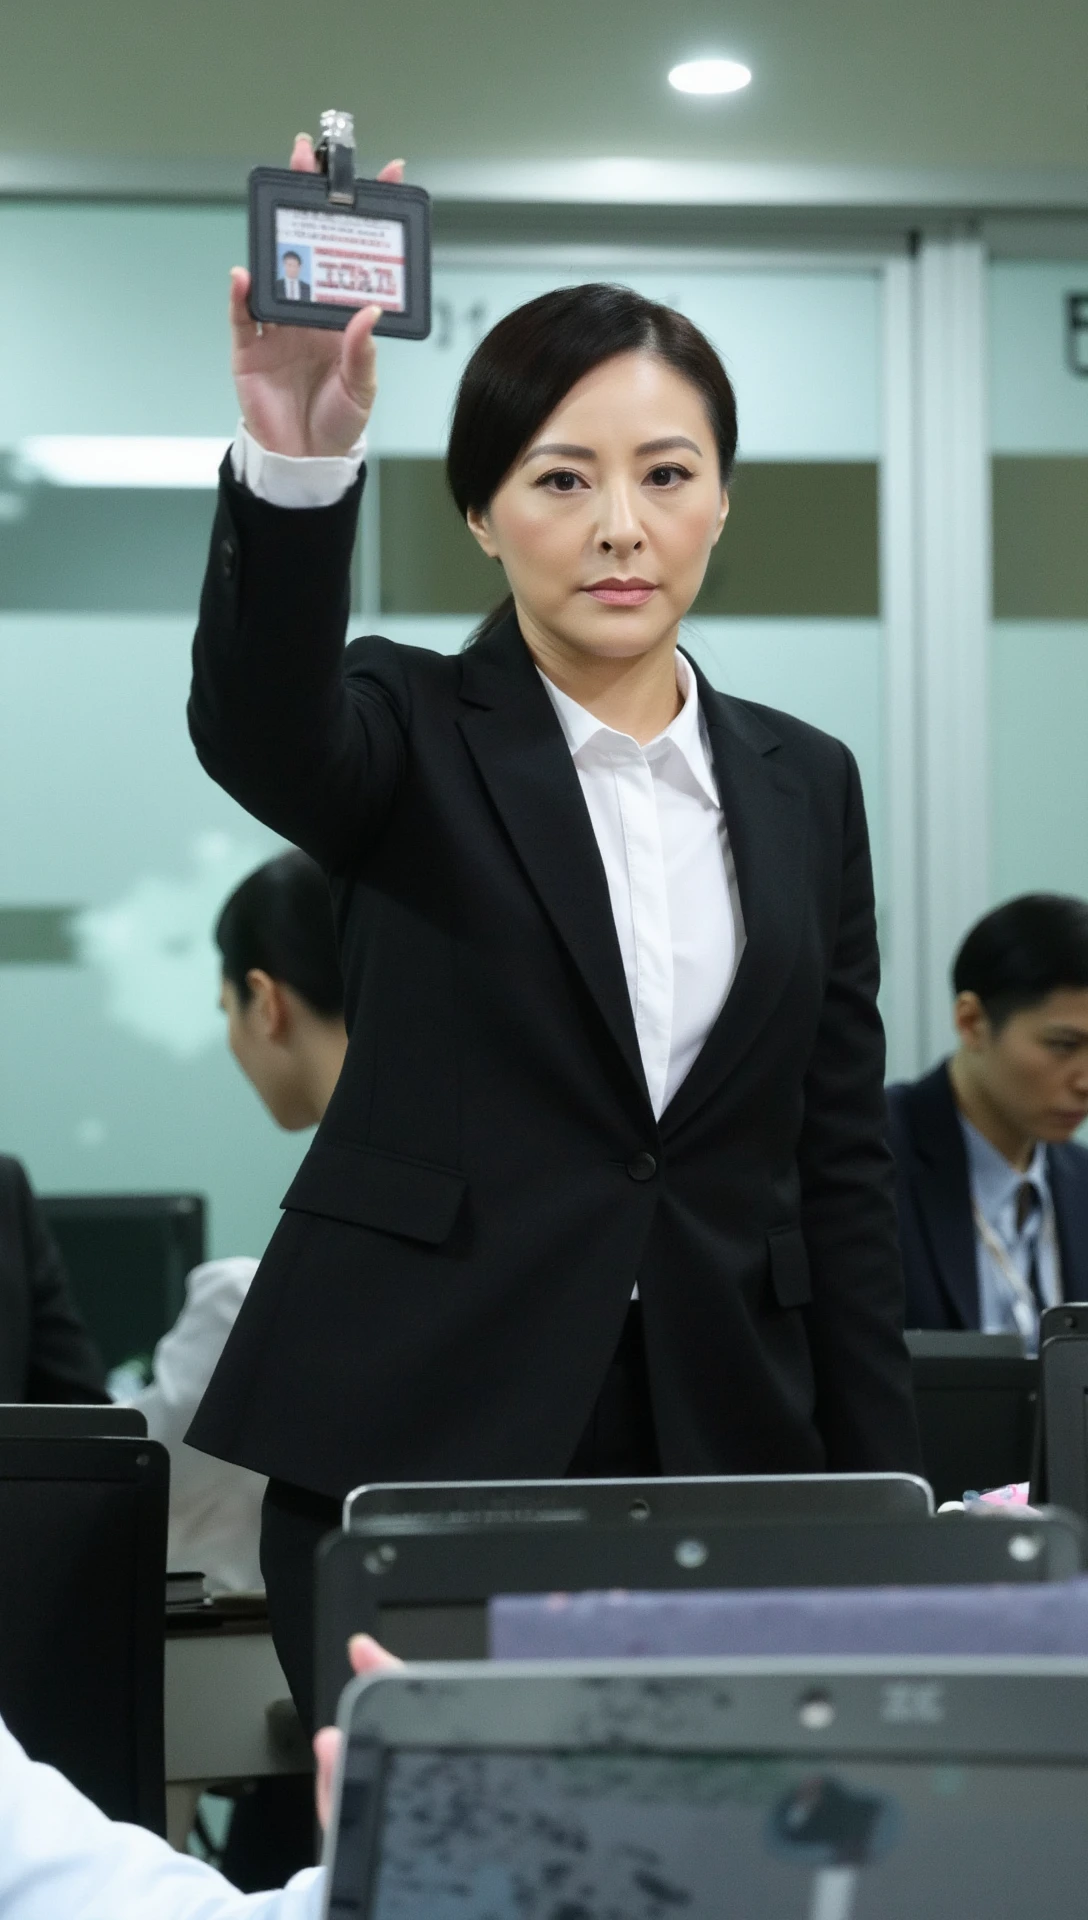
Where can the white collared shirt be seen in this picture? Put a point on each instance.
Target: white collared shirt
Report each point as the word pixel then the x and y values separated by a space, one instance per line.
pixel 659 825
pixel 215 1508
pixel 61 1859
pixel 655 812
pixel 1004 1249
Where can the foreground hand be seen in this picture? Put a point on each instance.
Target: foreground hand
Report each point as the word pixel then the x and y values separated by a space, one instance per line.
pixel 303 390
pixel 366 1656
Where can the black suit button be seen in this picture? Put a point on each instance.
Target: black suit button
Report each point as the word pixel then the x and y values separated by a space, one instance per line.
pixel 228 558
pixel 642 1167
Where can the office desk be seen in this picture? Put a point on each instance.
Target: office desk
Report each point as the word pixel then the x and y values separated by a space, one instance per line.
pixel 221 1678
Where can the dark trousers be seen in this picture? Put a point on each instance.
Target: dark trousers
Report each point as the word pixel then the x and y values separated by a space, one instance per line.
pixel 293 1525
pixel 619 1443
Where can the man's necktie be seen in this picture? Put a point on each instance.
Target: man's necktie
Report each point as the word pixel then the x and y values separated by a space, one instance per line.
pixel 1027 1206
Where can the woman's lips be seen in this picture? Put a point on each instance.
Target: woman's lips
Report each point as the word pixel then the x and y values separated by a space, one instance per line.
pixel 621 593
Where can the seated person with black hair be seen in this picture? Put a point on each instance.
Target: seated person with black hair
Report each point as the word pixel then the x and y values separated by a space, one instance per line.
pixel 992 1192
pixel 283 997
pixel 46 1353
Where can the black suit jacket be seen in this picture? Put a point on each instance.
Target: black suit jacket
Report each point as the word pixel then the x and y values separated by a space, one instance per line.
pixel 303 290
pixel 933 1191
pixel 452 1272
pixel 46 1352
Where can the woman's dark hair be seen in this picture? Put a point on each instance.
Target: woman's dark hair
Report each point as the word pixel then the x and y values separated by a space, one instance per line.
pixel 1022 952
pixel 280 920
pixel 525 366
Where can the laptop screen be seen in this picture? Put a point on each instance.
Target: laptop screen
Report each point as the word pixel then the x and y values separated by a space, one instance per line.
pixel 590 1835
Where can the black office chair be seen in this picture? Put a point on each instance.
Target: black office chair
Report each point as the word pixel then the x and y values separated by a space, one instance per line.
pixel 127 1255
pixel 82 1603
pixel 424 1594
pixel 976 1396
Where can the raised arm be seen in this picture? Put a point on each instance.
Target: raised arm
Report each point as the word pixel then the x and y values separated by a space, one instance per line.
pixel 865 1406
pixel 270 713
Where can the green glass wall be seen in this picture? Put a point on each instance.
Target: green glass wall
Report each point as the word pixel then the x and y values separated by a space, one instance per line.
pixel 1039 663
pixel 116 849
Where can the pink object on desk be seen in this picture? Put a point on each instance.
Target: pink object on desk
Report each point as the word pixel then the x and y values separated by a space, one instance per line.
pixel 1015 1495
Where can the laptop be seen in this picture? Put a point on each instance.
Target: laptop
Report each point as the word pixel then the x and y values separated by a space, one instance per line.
pixel 836 1789
pixel 747 1496
pixel 424 1593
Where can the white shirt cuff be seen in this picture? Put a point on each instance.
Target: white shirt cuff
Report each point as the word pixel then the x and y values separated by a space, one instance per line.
pixel 286 481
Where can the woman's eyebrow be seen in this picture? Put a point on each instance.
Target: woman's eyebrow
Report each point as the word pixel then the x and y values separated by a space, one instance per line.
pixel 553 448
pixel 558 447
pixel 671 440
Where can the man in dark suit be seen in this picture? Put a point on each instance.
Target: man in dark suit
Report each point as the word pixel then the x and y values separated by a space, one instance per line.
pixel 46 1353
pixel 992 1192
pixel 292 286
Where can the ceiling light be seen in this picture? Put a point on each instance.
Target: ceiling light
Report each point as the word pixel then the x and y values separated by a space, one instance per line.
pixel 121 460
pixel 709 76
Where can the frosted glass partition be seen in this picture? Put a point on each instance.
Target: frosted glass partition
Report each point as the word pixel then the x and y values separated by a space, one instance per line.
pixel 117 850
pixel 1039 663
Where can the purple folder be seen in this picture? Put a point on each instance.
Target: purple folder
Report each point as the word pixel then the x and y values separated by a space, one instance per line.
pixel 1041 1619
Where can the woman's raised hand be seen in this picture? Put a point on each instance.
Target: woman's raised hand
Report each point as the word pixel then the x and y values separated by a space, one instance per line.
pixel 303 390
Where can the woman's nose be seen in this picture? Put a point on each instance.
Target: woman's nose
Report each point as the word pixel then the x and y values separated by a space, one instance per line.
pixel 619 529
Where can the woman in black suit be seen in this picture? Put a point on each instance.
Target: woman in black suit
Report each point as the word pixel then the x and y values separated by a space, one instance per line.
pixel 609 953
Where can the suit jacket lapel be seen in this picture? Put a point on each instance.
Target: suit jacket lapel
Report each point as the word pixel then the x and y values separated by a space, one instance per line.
pixel 514 736
pixel 1068 1174
pixel 766 819
pixel 943 1189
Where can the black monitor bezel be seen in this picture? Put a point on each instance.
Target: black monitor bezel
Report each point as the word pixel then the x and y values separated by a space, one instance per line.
pixel 360 1573
pixel 1010 1711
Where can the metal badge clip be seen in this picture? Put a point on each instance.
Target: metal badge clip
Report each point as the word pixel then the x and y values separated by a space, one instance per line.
pixel 335 154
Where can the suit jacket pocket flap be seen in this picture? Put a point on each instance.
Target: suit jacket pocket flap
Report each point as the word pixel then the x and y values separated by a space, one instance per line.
pixel 372 1189
pixel 790 1275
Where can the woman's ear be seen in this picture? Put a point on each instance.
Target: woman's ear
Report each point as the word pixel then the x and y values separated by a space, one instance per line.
pixel 722 517
pixel 268 1004
pixel 480 528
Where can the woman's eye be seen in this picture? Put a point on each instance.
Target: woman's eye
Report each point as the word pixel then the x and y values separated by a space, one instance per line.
pixel 667 476
pixel 562 481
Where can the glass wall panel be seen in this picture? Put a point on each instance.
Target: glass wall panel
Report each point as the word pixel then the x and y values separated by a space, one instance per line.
pixel 1039 665
pixel 117 850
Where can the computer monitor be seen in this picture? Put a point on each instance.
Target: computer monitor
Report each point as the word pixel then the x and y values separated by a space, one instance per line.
pixel 1061 1464
pixel 976 1399
pixel 82 1603
pixel 40 1420
pixel 833 1789
pixel 425 1595
pixel 127 1255
pixel 754 1496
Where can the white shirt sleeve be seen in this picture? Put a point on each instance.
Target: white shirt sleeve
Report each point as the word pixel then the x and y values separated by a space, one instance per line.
pixel 60 1856
pixel 215 1508
pixel 186 1357
pixel 286 481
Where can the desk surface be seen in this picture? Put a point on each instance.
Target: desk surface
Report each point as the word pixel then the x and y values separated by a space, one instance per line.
pixel 220 1681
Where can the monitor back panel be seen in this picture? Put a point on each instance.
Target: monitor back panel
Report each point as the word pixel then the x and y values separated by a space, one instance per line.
pixel 976 1419
pixel 856 1496
pixel 39 1420
pixel 82 1599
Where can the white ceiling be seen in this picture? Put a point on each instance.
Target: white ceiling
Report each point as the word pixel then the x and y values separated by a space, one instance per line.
pixel 920 84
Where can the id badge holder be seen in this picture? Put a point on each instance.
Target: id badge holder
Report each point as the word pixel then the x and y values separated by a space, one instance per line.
pixel 322 245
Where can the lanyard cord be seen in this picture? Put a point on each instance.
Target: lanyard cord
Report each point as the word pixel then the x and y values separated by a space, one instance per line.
pixel 1024 1304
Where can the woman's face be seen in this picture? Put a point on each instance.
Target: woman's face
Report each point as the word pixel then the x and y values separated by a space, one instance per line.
pixel 605 525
